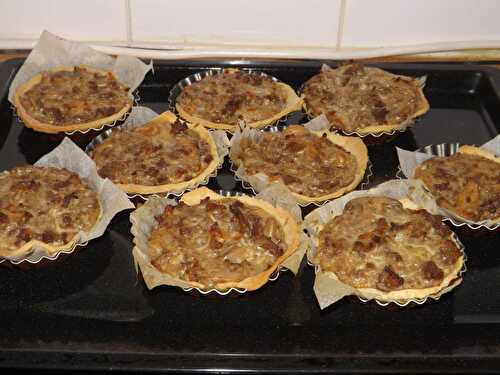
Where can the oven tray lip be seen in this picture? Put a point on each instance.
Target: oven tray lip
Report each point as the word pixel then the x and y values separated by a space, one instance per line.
pixel 28 353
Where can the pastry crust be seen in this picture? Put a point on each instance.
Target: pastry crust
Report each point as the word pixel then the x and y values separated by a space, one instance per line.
pixel 37 125
pixel 288 224
pixel 203 133
pixel 408 294
pixel 422 108
pixel 294 103
pixel 49 249
pixel 352 145
pixel 471 150
pixel 451 279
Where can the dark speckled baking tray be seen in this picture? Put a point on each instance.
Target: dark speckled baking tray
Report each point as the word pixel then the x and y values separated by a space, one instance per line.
pixel 89 311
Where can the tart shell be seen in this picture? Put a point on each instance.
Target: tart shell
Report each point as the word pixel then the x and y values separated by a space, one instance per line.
pixel 290 228
pixel 37 125
pixel 403 296
pixel 472 150
pixel 383 128
pixel 158 189
pixel 354 146
pixel 294 103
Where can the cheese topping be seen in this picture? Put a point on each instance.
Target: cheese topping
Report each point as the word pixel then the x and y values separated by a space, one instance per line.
pixel 465 184
pixel 156 154
pixel 45 204
pixel 376 243
pixel 75 97
pixel 216 241
pixel 307 164
pixel 230 97
pixel 354 97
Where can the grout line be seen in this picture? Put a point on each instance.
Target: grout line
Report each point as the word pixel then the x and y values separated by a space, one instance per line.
pixel 128 15
pixel 340 29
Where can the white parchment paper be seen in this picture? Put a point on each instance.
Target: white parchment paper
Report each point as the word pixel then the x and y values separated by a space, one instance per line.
pixel 410 160
pixel 144 221
pixel 70 157
pixel 327 287
pixel 52 51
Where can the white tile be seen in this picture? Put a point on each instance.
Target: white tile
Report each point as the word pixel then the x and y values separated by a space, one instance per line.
pixel 384 23
pixel 262 22
pixel 94 20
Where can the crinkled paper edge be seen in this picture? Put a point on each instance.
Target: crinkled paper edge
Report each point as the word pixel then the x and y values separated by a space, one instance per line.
pixel 410 160
pixel 70 157
pixel 259 181
pixel 144 221
pixel 52 52
pixel 327 288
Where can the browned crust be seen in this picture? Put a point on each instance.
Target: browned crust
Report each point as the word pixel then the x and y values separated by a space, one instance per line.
pixel 50 250
pixel 37 125
pixel 472 150
pixel 404 294
pixel 294 103
pixel 290 228
pixel 385 128
pixel 157 189
pixel 354 146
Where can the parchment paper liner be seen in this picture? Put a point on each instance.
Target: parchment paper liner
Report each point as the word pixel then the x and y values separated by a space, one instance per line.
pixel 70 157
pixel 402 127
pixel 409 160
pixel 260 181
pixel 52 51
pixel 140 116
pixel 179 86
pixel 144 222
pixel 327 288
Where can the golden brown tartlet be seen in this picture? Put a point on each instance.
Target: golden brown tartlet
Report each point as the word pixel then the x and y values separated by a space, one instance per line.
pixel 163 155
pixel 466 184
pixel 216 242
pixel 222 101
pixel 388 252
pixel 66 99
pixel 364 100
pixel 44 207
pixel 314 165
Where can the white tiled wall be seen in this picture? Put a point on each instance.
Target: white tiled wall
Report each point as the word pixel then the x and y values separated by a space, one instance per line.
pixel 342 24
pixel 401 22
pixel 263 22
pixel 97 20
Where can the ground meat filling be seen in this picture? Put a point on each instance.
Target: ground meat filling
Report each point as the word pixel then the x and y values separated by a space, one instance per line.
pixel 75 97
pixel 307 164
pixel 467 185
pixel 152 155
pixel 45 204
pixel 355 97
pixel 231 97
pixel 216 241
pixel 376 243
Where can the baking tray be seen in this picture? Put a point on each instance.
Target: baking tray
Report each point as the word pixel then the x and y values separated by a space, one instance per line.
pixel 89 311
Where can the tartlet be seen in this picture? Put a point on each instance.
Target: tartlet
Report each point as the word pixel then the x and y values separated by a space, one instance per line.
pixel 163 155
pixel 225 99
pixel 466 184
pixel 387 252
pixel 314 165
pixel 71 98
pixel 44 207
pixel 209 241
pixel 364 100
